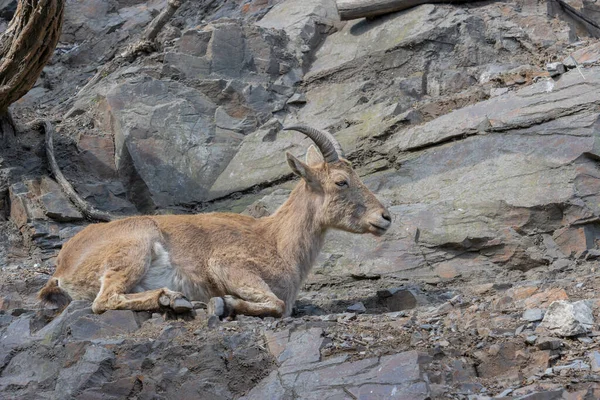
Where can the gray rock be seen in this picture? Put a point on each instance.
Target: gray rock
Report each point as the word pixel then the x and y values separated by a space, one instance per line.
pixel 556 68
pixel 297 98
pixel 56 204
pixel 531 339
pixel 10 301
pixel 533 315
pixel 568 319
pixel 398 373
pixel 549 343
pixel 561 265
pixel 29 368
pixel 59 325
pixel 169 120
pixel 108 324
pixel 7 9
pixel 594 357
pixel 498 91
pixel 94 367
pixel 303 23
pixel 358 308
pixel 588 55
pixel 585 340
pixel 213 322
pixel 398 299
pixel 302 349
pixel 269 388
pixel 575 365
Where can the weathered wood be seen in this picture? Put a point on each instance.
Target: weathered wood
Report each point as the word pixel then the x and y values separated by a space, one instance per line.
pixel 353 9
pixel 83 206
pixel 27 45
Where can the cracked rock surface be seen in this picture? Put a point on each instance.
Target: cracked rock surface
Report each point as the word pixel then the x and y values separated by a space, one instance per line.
pixel 485 286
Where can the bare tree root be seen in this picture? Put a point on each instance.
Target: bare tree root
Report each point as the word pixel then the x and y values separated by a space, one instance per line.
pixel 83 206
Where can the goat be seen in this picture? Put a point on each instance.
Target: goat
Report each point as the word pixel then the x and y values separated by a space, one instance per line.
pixel 235 263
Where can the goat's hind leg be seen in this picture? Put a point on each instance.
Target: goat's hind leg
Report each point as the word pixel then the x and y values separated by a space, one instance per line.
pixel 124 268
pixel 248 295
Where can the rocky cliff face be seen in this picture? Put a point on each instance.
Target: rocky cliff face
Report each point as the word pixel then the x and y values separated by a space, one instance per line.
pixel 486 158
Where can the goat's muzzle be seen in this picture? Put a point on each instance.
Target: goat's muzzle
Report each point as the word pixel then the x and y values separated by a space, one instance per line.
pixel 379 222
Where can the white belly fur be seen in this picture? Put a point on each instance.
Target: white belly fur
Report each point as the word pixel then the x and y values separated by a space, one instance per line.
pixel 161 273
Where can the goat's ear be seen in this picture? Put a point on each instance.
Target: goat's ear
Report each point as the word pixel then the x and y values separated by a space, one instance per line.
pixel 313 156
pixel 302 170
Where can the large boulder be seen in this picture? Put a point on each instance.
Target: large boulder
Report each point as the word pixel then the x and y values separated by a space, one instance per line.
pixel 165 140
pixel 472 187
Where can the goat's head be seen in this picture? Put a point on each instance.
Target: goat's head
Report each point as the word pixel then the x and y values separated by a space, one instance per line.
pixel 347 204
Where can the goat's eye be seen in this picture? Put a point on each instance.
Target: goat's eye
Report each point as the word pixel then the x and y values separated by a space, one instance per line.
pixel 342 183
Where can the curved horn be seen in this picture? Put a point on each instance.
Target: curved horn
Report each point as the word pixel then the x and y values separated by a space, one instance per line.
pixel 327 144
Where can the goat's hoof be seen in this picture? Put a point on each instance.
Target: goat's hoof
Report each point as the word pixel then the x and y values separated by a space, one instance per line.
pixel 216 306
pixel 181 305
pixel 176 302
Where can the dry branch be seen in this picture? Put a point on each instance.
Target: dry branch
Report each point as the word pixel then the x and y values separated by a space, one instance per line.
pixel 161 19
pixel 353 9
pixel 83 206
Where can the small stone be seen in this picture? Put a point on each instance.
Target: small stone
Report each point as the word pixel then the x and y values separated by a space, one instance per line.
pixel 585 340
pixel 519 329
pixel 505 393
pixel 309 309
pixel 398 299
pixel 346 317
pixel 533 315
pixel 213 322
pixel 358 308
pixel 484 288
pixel 494 350
pixel 416 338
pixel 444 308
pixel 561 265
pixel 329 317
pixel 549 343
pixel 595 361
pixel 556 68
pixel 396 314
pixel 577 365
pixel 297 98
pixel 530 340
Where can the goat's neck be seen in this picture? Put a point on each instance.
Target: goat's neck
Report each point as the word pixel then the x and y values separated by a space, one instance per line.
pixel 298 230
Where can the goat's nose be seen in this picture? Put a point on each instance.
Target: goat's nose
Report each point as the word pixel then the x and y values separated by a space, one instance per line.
pixel 386 215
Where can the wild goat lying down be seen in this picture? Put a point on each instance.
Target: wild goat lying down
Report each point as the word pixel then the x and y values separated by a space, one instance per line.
pixel 235 263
